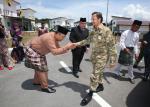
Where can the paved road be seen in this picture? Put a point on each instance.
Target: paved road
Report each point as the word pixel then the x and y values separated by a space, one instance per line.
pixel 16 89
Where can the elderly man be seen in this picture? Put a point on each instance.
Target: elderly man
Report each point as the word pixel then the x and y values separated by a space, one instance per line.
pixel 103 49
pixel 77 34
pixel 36 51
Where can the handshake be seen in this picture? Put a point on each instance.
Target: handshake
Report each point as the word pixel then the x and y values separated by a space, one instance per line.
pixel 70 45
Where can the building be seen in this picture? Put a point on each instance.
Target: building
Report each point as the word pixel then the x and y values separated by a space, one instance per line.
pixel 62 21
pixel 9 13
pixel 70 23
pixel 51 23
pixel 28 18
pixel 27 13
pixel 120 24
pixel 76 23
pixel 89 25
pixel 58 21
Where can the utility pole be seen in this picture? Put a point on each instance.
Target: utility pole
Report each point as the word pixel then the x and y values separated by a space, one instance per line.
pixel 107 12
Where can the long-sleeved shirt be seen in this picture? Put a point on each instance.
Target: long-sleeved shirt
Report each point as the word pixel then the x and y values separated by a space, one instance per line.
pixel 146 38
pixel 46 43
pixel 129 39
pixel 102 44
pixel 77 34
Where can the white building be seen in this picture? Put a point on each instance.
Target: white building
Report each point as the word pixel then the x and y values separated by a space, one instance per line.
pixel 9 14
pixel 8 11
pixel 76 23
pixel 62 21
pixel 70 22
pixel 59 21
pixel 28 13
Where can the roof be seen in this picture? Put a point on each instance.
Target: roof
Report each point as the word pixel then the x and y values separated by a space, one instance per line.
pixel 16 1
pixel 77 22
pixel 28 9
pixel 59 18
pixel 121 17
pixel 129 22
pixel 70 19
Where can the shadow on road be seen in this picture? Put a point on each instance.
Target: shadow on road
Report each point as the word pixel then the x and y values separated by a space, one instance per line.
pixel 76 87
pixel 88 60
pixel 27 84
pixel 139 96
pixel 122 77
pixel 63 70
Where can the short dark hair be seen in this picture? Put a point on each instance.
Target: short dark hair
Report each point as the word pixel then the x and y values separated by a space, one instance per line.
pixel 98 15
pixel 137 22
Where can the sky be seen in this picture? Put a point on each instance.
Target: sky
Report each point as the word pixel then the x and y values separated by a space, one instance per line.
pixel 74 9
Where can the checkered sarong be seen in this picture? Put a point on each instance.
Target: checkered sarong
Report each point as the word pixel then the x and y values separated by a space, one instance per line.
pixel 5 58
pixel 3 46
pixel 125 58
pixel 35 61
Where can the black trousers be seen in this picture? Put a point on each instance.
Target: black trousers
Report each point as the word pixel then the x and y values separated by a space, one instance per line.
pixel 147 63
pixel 77 56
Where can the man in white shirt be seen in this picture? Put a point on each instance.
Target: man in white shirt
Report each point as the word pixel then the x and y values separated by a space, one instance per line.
pixel 129 47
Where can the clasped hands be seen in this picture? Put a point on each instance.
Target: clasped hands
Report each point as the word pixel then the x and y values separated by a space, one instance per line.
pixel 70 45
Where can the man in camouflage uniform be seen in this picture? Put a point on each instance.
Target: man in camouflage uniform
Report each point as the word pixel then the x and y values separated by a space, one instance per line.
pixel 103 50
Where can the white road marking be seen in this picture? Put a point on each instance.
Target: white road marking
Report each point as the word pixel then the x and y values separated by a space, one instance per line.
pixel 100 100
pixel 96 97
pixel 65 66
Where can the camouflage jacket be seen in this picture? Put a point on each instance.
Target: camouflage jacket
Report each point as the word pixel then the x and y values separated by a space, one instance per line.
pixel 103 45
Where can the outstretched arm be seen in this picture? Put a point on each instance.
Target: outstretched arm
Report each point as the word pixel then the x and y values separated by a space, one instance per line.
pixel 62 50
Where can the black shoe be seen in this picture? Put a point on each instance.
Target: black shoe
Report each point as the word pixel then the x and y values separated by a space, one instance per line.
pixel 48 90
pixel 100 88
pixel 36 84
pixel 87 99
pixel 132 81
pixel 76 75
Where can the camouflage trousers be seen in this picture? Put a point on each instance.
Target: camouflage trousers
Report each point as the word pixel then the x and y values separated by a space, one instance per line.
pixel 97 75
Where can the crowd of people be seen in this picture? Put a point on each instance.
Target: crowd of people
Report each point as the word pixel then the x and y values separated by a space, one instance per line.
pixel 100 40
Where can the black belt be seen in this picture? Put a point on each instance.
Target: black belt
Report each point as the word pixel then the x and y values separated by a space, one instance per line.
pixel 130 48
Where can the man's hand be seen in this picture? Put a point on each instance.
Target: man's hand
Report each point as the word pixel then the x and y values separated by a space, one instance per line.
pixel 127 50
pixel 70 46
